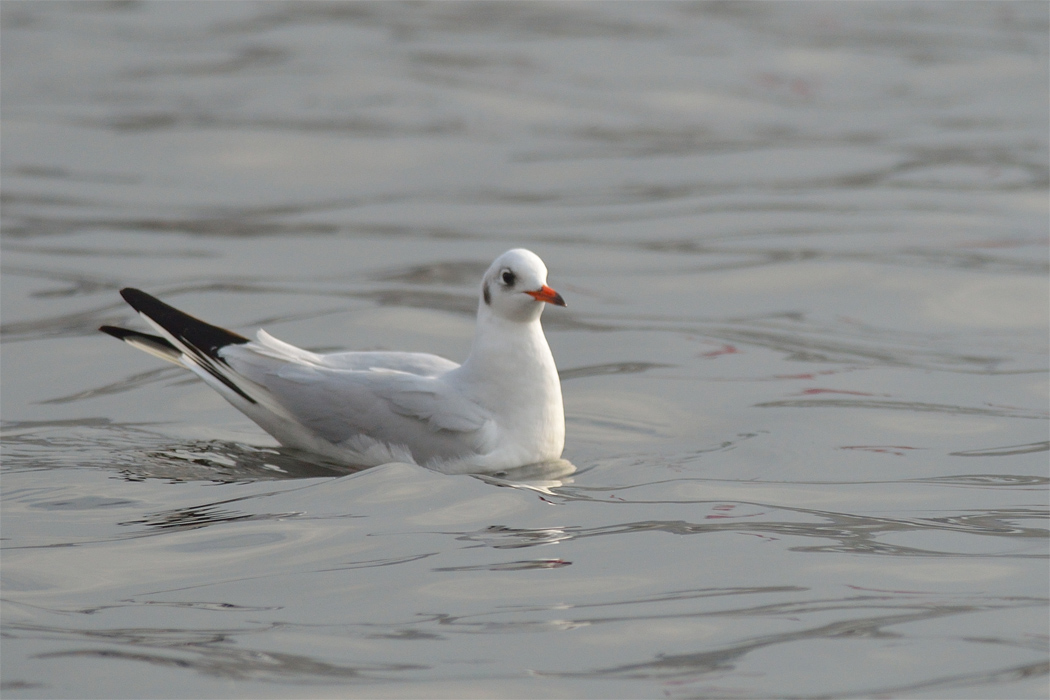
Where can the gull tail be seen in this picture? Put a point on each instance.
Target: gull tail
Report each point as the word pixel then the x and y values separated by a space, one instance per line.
pixel 188 341
pixel 206 350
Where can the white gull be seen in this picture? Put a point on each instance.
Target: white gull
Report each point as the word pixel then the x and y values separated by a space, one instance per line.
pixel 500 409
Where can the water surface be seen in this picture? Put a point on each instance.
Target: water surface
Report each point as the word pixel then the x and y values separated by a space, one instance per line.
pixel 804 248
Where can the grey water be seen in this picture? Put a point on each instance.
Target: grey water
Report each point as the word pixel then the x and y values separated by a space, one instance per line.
pixel 804 358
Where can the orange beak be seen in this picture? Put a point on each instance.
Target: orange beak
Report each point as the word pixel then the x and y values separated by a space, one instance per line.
pixel 548 295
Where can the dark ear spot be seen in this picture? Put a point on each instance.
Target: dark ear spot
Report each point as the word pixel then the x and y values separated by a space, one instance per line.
pixel 486 294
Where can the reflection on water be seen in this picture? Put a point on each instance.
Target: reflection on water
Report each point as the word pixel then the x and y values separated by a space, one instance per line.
pixel 752 208
pixel 199 653
pixel 137 452
pixel 849 533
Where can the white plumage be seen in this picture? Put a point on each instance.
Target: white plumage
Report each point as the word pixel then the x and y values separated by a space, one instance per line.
pixel 500 409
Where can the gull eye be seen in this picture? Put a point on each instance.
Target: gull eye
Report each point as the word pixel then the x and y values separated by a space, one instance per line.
pixel 508 278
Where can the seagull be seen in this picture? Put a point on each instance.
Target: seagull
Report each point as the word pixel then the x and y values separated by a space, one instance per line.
pixel 501 409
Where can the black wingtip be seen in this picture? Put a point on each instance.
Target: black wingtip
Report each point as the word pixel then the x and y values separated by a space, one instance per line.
pixel 202 340
pixel 125 334
pixel 193 331
pixel 122 333
pixel 152 344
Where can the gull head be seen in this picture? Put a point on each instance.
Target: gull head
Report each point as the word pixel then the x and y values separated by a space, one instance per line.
pixel 515 287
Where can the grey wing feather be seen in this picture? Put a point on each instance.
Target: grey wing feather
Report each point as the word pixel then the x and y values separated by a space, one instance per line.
pixel 390 406
pixel 412 362
pixel 442 408
pixel 364 398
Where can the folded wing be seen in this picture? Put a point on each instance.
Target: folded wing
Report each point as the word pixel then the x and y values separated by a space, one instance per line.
pixel 369 404
pixel 347 406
